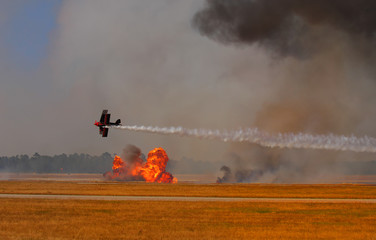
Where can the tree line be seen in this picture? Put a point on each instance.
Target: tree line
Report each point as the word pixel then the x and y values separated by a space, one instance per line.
pixel 63 163
pixel 85 163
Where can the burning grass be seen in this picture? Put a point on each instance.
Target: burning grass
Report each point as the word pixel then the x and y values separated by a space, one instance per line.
pixel 66 219
pixel 196 190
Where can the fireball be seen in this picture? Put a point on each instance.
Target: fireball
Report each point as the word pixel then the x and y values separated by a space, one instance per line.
pixel 153 170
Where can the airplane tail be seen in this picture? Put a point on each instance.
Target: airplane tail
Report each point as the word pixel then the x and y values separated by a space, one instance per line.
pixel 118 122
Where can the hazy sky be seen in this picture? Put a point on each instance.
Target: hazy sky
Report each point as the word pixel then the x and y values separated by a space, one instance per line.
pixel 62 62
pixel 26 30
pixel 26 34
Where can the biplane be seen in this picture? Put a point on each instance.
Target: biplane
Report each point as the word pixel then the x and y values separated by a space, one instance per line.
pixel 104 123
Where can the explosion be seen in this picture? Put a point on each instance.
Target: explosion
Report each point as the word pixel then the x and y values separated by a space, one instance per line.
pixel 153 170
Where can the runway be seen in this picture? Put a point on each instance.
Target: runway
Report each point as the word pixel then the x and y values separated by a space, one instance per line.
pixel 184 199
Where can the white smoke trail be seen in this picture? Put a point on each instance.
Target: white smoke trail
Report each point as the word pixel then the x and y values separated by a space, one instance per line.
pixel 253 135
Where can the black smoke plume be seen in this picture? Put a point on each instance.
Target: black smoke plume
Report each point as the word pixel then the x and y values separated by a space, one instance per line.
pixel 227 175
pixel 240 175
pixel 288 27
pixel 132 156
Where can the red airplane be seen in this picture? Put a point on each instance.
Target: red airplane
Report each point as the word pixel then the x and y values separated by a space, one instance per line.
pixel 104 122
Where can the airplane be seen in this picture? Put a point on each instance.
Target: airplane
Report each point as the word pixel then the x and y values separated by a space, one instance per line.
pixel 104 122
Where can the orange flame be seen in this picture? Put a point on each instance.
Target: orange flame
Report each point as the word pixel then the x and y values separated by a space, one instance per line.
pixel 117 166
pixel 153 170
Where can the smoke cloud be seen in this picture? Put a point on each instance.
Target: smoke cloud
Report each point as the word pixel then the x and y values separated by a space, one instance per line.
pixel 325 53
pixel 289 27
pixel 132 156
pixel 151 69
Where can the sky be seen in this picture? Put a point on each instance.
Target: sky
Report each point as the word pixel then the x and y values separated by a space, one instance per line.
pixel 27 31
pixel 171 63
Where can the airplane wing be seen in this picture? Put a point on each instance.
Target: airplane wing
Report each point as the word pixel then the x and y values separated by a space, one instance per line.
pixel 104 132
pixel 103 116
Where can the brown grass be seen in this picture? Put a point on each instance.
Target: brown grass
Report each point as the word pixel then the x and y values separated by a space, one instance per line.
pixel 66 219
pixel 210 190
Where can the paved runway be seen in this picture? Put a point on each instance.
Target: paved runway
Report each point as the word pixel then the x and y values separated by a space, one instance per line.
pixel 185 199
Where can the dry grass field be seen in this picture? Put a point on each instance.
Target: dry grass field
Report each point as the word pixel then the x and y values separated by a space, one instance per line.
pixel 194 190
pixel 95 219
pixel 66 219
